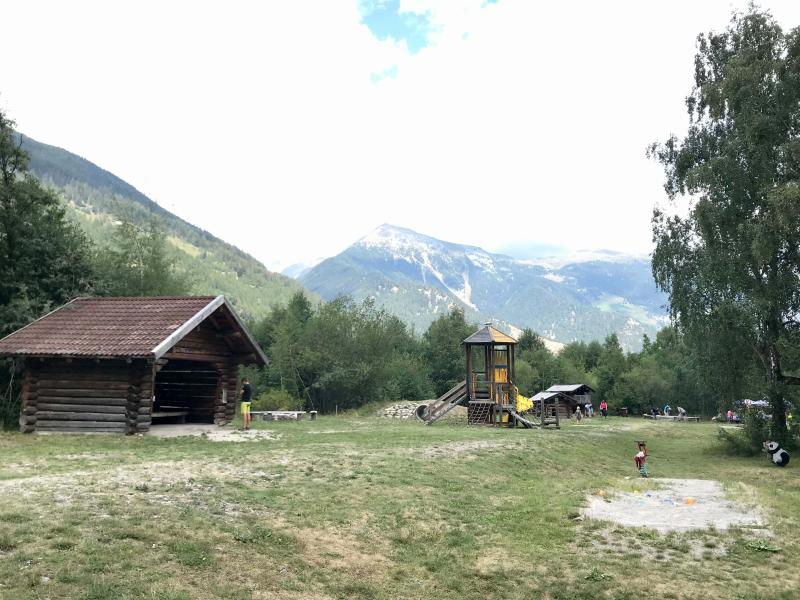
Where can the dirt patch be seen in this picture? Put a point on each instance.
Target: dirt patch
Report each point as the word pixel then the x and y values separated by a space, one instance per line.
pixel 681 505
pixel 338 550
pixel 213 433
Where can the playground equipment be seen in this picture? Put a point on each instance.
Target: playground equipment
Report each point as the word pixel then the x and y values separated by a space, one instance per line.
pixel 488 391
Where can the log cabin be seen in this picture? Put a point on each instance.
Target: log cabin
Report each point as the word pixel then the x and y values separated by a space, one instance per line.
pixel 122 364
pixel 573 395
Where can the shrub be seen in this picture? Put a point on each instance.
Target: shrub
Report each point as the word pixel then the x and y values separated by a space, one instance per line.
pixel 750 437
pixel 276 400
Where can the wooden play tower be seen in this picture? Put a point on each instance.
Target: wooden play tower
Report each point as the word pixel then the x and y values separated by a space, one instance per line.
pixel 488 390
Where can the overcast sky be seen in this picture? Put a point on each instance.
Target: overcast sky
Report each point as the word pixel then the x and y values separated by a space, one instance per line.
pixel 291 129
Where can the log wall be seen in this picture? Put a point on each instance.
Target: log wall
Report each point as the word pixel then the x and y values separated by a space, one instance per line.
pixel 84 395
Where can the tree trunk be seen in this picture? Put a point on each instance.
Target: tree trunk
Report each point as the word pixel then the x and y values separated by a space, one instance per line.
pixel 777 402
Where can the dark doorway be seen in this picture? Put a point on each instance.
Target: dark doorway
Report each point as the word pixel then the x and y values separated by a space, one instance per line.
pixel 185 391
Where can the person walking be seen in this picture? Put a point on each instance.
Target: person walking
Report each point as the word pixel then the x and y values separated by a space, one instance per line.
pixel 246 396
pixel 604 408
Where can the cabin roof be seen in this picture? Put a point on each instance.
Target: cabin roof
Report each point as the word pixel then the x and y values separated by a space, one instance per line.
pixel 570 388
pixel 121 327
pixel 489 335
pixel 545 396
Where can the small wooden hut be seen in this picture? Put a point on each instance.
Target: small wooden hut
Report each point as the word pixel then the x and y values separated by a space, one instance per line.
pixel 556 404
pixel 574 395
pixel 120 364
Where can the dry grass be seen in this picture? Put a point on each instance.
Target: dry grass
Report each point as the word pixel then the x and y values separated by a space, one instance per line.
pixel 376 508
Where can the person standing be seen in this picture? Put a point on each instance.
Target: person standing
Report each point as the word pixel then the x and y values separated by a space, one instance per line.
pixel 666 410
pixel 604 408
pixel 246 396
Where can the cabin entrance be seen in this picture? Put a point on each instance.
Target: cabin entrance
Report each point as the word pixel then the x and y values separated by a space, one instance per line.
pixel 185 392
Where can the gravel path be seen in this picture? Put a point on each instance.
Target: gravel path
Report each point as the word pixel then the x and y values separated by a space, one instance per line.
pixel 681 505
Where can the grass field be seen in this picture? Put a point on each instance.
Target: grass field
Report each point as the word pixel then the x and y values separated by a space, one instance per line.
pixel 362 507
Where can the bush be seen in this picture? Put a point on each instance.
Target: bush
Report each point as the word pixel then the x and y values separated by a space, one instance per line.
pixel 276 400
pixel 750 437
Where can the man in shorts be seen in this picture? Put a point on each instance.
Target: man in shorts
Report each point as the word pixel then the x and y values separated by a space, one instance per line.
pixel 246 395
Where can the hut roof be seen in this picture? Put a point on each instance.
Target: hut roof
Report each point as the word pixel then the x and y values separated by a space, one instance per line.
pixel 139 327
pixel 545 396
pixel 489 335
pixel 571 388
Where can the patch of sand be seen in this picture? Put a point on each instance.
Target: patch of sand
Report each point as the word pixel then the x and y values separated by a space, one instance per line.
pixel 214 433
pixel 667 509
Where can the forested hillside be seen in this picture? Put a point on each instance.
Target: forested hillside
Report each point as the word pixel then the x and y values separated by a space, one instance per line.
pixel 99 200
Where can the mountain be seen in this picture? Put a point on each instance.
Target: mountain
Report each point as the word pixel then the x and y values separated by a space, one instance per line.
pixel 419 278
pixel 99 200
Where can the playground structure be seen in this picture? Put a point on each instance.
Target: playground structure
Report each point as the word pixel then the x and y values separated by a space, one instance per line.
pixel 488 391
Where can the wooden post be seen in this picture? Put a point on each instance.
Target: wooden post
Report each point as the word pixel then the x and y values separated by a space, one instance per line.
pixel 470 391
pixel 136 422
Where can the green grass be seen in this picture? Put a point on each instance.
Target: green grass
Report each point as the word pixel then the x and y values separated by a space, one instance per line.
pixel 360 507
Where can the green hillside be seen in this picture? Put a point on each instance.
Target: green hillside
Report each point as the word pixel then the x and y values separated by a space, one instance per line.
pixel 98 200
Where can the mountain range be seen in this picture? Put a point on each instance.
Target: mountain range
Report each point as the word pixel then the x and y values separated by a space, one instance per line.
pixel 414 276
pixel 419 278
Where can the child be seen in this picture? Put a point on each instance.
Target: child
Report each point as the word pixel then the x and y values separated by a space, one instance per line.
pixel 641 457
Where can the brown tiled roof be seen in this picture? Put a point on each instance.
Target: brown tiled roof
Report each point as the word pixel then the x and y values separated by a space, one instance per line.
pixel 489 335
pixel 105 327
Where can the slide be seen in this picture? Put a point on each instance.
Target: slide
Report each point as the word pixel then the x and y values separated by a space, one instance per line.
pixel 522 421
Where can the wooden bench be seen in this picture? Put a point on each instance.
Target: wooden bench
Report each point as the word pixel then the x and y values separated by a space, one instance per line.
pixel 670 418
pixel 170 413
pixel 278 415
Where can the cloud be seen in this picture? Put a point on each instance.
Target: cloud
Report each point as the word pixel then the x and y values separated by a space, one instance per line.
pixel 386 19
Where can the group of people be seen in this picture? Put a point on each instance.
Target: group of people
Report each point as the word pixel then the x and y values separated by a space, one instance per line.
pixel 588 410
pixel 667 410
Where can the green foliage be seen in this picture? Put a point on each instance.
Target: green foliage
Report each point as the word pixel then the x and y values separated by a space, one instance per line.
pixel 275 400
pixel 340 354
pixel 139 263
pixel 731 266
pixel 444 349
pixel 750 437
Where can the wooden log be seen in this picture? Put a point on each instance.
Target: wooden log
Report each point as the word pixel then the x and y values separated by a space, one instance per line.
pixel 82 393
pixel 98 408
pixel 78 416
pixel 87 401
pixel 61 384
pixel 88 425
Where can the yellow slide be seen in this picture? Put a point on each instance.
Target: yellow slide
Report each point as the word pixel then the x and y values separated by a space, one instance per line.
pixel 523 403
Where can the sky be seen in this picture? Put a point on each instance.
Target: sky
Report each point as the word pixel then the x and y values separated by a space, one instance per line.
pixel 292 129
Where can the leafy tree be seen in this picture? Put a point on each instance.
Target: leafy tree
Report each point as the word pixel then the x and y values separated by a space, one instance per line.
pixel 139 263
pixel 44 258
pixel 610 366
pixel 732 264
pixel 444 350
